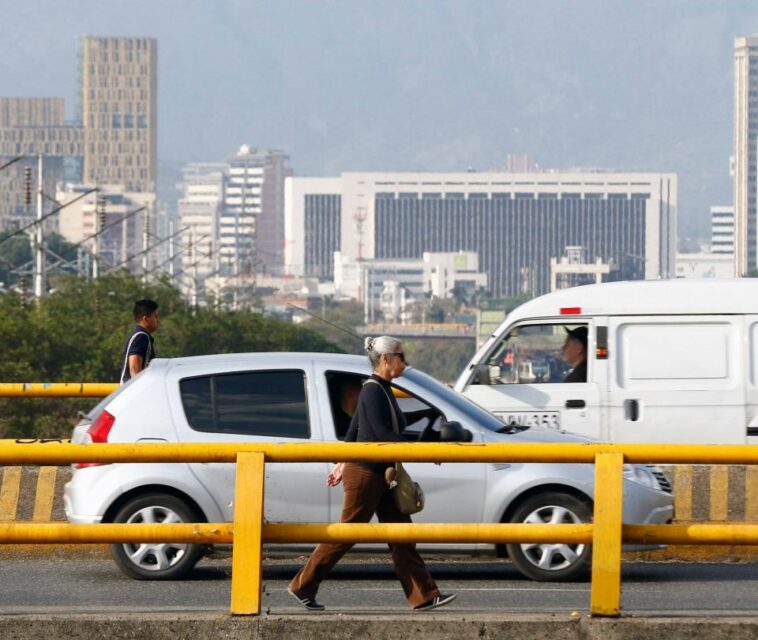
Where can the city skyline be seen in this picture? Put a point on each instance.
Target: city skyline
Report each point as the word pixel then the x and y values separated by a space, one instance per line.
pixel 361 87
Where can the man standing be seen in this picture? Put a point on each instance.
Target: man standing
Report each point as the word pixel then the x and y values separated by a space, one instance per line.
pixel 575 353
pixel 140 347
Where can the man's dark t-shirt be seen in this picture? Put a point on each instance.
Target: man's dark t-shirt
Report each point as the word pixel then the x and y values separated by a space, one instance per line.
pixel 140 343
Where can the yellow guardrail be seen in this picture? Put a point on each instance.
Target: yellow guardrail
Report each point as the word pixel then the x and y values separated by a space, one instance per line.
pixel 56 389
pixel 249 531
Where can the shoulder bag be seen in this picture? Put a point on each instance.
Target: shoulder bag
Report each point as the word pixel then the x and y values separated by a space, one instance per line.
pixel 408 495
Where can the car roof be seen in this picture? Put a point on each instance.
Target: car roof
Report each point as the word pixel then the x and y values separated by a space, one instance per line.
pixel 275 357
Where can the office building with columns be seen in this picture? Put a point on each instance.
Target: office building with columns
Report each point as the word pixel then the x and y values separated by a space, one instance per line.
pixel 515 222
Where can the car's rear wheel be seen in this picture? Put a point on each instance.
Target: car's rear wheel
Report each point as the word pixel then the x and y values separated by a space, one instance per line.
pixel 552 561
pixel 156 561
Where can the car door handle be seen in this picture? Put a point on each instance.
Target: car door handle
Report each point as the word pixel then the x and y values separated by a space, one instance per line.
pixel 575 404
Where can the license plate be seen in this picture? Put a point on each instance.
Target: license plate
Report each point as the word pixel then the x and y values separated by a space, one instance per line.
pixel 546 419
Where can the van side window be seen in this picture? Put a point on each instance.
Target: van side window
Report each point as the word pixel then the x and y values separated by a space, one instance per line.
pixel 530 354
pixel 262 403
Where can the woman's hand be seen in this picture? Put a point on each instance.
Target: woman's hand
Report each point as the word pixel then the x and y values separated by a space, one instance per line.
pixel 335 475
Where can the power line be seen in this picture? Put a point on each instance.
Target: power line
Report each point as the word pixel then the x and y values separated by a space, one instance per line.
pixel 329 322
pixel 123 218
pixel 8 164
pixel 45 217
pixel 147 249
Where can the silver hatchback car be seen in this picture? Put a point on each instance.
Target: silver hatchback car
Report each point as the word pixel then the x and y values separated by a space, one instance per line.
pixel 295 397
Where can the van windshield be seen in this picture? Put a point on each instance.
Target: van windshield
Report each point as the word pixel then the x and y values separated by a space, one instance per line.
pixel 528 354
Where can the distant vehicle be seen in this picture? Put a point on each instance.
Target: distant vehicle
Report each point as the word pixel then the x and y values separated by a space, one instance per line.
pixel 290 397
pixel 668 361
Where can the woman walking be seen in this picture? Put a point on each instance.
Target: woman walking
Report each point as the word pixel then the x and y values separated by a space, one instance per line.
pixel 366 490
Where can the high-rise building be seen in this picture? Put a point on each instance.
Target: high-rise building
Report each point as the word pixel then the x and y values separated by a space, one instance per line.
pixel 270 227
pixel 233 215
pixel 252 220
pixel 515 222
pixel 199 214
pixel 722 229
pixel 119 111
pixel 745 159
pixel 31 126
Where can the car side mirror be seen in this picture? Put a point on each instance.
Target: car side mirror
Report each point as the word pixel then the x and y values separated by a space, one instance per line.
pixel 487 374
pixel 454 432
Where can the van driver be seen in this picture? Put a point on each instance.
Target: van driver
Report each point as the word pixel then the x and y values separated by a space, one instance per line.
pixel 575 353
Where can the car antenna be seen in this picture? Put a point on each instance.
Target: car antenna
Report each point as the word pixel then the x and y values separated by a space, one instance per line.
pixel 329 322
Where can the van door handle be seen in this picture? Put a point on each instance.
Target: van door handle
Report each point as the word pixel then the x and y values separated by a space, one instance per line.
pixel 631 410
pixel 575 404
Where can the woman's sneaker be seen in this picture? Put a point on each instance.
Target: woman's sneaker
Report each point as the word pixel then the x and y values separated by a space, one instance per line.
pixel 309 604
pixel 437 601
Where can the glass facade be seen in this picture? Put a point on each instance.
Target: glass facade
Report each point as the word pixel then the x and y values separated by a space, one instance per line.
pixel 322 233
pixel 515 235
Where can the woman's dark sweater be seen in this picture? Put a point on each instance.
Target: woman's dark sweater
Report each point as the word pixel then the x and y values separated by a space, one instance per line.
pixel 372 421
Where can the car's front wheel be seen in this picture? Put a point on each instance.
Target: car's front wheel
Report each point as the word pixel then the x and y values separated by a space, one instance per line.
pixel 156 561
pixel 552 561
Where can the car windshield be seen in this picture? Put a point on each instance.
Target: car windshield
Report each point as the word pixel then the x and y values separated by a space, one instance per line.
pixel 467 407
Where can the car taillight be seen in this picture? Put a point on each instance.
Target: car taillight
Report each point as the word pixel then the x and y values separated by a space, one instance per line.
pixel 98 433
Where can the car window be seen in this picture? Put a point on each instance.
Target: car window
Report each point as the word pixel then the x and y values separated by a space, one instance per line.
pixel 344 389
pixel 264 403
pixel 418 414
pixel 473 415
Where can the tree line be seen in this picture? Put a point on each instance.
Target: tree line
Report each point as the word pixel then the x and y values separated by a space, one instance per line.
pixel 77 334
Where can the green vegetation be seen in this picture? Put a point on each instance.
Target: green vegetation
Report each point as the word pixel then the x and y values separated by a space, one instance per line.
pixel 77 334
pixel 16 257
pixel 443 359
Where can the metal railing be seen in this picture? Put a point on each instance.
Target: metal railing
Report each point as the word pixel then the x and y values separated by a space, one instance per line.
pixel 249 530
pixel 56 389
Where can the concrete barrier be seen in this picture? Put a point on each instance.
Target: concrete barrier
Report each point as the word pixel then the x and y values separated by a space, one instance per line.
pixel 716 493
pixel 440 626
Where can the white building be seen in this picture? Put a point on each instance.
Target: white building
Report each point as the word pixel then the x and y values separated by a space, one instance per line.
pixel 386 287
pixel 252 220
pixel 514 222
pixel 199 213
pixel 572 270
pixel 114 230
pixel 722 230
pixel 232 220
pixel 704 265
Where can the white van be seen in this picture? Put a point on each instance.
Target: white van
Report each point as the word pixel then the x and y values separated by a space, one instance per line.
pixel 668 361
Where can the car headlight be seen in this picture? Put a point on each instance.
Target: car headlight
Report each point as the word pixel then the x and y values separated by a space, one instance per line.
pixel 641 475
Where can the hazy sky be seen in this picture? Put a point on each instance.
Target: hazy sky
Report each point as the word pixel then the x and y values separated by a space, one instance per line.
pixel 419 85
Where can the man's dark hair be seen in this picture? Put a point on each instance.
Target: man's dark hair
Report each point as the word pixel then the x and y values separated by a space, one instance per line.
pixel 144 308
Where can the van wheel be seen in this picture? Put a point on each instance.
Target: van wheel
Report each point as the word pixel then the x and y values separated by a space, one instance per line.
pixel 552 561
pixel 156 561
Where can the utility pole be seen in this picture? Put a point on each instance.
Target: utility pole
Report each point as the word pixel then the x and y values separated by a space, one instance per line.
pixel 171 251
pixel 145 238
pixel 193 271
pixel 39 250
pixel 99 225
